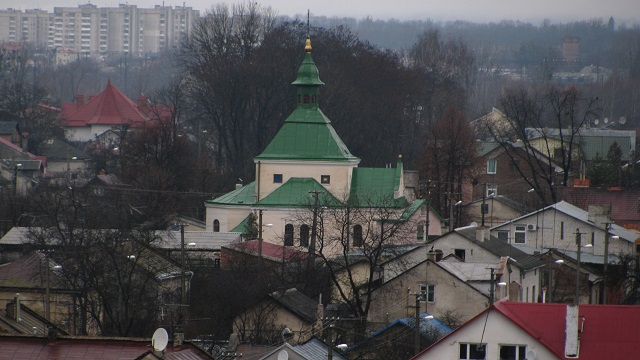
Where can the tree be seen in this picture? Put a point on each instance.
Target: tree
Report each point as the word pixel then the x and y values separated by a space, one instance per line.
pixel 546 126
pixel 109 265
pixel 451 156
pixel 606 172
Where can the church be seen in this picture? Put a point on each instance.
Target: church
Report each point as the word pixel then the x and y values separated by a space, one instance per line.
pixel 306 176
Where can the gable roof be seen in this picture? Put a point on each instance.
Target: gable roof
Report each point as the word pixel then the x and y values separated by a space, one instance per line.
pixel 297 303
pixel 578 214
pixel 371 186
pixel 295 193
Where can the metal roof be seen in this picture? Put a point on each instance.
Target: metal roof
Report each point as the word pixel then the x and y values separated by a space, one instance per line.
pixel 295 193
pixel 245 195
pixel 204 240
pixel 296 302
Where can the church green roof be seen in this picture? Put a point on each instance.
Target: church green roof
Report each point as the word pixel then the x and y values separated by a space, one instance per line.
pixel 376 187
pixel 296 192
pixel 245 195
pixel 307 133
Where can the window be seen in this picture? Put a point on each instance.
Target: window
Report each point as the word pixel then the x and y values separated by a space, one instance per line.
pixel 420 231
pixel 288 235
pixel 304 235
pixel 521 234
pixel 484 208
pixel 561 230
pixel 216 225
pixel 306 99
pixel 513 165
pixel 492 164
pixel 492 190
pixel 503 235
pixel 593 238
pixel 460 253
pixel 357 236
pixel 325 179
pixel 427 293
pixel 277 178
pixel 473 351
pixel 513 352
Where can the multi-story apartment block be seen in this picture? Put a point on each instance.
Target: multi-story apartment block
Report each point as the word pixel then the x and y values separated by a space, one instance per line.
pixel 92 31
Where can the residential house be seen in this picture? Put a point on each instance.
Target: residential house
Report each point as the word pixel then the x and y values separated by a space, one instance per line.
pixel 557 225
pixel 314 349
pixel 63 158
pixel 307 168
pixel 20 168
pixel 519 331
pixel 518 269
pixel 110 109
pixel 397 340
pixel 70 347
pixel 492 211
pixel 495 119
pixel 288 313
pixel 625 203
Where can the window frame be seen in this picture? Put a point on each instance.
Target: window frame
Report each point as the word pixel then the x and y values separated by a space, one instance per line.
pixel 216 225
pixel 467 355
pixel 491 190
pixel 501 234
pixel 492 166
pixel 520 230
pixel 427 293
pixel 520 349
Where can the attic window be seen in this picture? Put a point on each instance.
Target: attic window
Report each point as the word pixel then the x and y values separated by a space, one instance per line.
pixel 461 253
pixel 325 179
pixel 473 351
pixel 277 178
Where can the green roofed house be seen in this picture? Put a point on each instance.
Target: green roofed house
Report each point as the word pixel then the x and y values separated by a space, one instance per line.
pixel 307 166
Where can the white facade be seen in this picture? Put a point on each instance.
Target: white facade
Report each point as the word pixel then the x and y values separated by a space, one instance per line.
pixel 494 331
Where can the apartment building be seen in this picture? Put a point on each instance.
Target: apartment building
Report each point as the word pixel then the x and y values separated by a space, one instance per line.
pixel 92 31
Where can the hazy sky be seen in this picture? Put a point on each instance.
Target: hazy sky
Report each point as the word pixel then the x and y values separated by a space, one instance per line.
pixel 473 10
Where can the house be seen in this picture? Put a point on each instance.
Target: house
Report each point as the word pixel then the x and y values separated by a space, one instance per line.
pixel 542 331
pixel 202 248
pixel 63 157
pixel 307 168
pixel 518 269
pixel 288 311
pixel 625 203
pixel 314 349
pixel 492 211
pixel 397 340
pixel 83 347
pixel 557 225
pixel 22 169
pixel 441 293
pixel 110 109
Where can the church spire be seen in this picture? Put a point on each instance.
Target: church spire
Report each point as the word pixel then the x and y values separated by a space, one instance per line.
pixel 308 81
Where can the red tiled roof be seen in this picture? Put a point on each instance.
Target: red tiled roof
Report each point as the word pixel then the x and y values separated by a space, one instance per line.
pixel 109 107
pixel 624 203
pixel 270 250
pixel 71 348
pixel 609 331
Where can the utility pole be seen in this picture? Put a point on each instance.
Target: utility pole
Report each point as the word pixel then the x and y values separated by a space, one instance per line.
pixel 260 236
pixel 47 304
pixel 183 295
pixel 607 226
pixel 579 247
pixel 492 288
pixel 314 226
pixel 417 317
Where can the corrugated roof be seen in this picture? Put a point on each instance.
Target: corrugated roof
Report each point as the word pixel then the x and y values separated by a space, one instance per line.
pixel 317 350
pixel 295 193
pixel 204 240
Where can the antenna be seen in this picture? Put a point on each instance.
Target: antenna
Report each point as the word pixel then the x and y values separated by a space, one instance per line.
pixel 160 339
pixel 606 120
pixel 596 121
pixel 622 120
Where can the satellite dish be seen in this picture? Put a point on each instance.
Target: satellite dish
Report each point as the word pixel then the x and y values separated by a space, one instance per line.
pixel 622 120
pixel 160 339
pixel 596 121
pixel 606 120
pixel 531 355
pixel 283 355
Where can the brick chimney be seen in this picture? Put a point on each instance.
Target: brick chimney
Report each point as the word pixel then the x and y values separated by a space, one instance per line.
pixel 79 101
pixel 143 103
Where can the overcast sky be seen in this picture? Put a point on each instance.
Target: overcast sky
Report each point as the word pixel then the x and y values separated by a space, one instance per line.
pixel 532 11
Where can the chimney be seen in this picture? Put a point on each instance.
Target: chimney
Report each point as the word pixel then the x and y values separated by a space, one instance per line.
pixel 143 103
pixel 79 101
pixel 432 255
pixel 481 233
pixel 24 141
pixel 572 340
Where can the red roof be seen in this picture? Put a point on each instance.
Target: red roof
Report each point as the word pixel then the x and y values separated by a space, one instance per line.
pixel 624 203
pixel 608 331
pixel 109 107
pixel 270 250
pixel 23 348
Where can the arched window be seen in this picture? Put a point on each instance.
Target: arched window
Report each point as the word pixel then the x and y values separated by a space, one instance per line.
pixel 306 99
pixel 357 235
pixel 304 235
pixel 288 235
pixel 216 225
